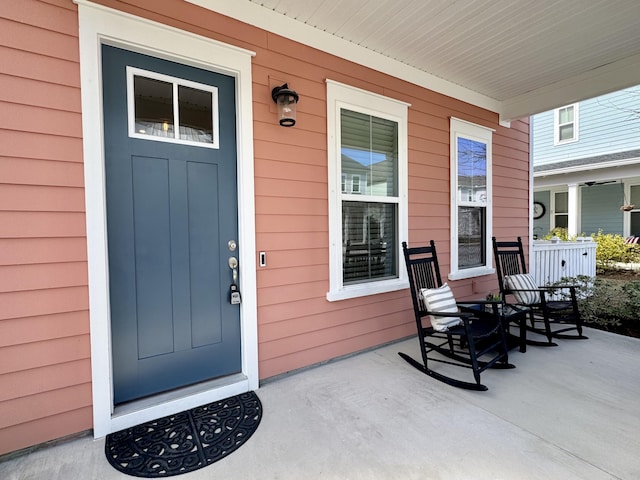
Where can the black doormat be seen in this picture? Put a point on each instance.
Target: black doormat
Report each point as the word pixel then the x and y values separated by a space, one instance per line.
pixel 186 441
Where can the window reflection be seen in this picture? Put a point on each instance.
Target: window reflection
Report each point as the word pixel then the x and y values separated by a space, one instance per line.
pixel 196 114
pixel 153 107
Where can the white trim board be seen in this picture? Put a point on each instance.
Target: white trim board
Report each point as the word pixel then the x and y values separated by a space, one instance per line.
pixel 98 25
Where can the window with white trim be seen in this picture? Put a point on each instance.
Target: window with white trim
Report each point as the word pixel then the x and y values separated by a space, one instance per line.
pixel 565 124
pixel 367 160
pixel 634 215
pixel 471 194
pixel 170 109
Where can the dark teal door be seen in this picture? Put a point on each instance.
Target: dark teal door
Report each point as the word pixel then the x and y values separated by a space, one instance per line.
pixel 171 213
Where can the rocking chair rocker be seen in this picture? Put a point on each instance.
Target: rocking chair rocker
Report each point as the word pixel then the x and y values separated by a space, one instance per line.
pixel 459 334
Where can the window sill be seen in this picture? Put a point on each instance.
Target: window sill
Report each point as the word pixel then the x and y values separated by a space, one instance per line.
pixel 471 272
pixel 564 142
pixel 365 289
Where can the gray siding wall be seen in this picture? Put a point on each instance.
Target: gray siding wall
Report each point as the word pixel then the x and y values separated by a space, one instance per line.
pixel 541 225
pixel 601 209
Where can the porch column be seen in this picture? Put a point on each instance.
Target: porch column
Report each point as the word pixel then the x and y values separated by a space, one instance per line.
pixel 574 209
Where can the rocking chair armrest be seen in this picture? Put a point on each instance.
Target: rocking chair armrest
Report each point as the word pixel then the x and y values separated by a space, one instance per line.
pixel 447 314
pixel 572 288
pixel 480 302
pixel 539 289
pixel 471 307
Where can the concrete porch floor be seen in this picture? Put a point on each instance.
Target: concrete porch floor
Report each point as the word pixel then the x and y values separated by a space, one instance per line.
pixel 566 412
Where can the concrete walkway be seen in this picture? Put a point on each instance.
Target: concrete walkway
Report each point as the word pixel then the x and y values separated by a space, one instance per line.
pixel 569 412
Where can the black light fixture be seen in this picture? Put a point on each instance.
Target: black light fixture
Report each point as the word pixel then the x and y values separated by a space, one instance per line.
pixel 286 100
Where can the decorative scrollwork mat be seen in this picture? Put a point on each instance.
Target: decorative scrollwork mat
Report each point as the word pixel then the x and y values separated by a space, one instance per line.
pixel 186 441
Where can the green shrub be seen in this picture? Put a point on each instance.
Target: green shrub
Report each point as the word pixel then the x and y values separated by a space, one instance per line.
pixel 561 233
pixel 605 303
pixel 612 248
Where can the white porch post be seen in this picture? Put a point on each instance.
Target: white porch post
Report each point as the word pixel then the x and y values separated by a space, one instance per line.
pixel 573 209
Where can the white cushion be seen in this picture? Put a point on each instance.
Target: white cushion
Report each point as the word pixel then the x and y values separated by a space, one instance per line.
pixel 523 281
pixel 440 300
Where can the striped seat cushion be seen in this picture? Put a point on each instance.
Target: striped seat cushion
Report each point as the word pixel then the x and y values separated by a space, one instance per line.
pixel 523 282
pixel 440 300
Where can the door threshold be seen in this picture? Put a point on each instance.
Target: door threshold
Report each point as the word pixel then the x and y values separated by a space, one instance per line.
pixel 150 408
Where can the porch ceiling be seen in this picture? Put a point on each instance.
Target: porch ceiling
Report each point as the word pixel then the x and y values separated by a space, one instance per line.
pixel 515 57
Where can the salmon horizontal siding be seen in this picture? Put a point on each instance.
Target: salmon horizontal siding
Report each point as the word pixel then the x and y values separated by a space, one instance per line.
pixel 16 331
pixel 40 354
pixel 43 302
pixel 26 171
pixel 41 199
pixel 321 320
pixel 34 66
pixel 313 206
pixel 44 319
pixel 25 118
pixel 274 366
pixel 45 404
pixel 23 251
pixel 278 242
pixel 36 93
pixel 42 430
pixel 48 43
pixel 43 379
pixel 41 224
pixel 16 278
pixel 38 146
pixel 46 15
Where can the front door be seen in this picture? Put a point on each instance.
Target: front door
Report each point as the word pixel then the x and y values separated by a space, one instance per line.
pixel 170 156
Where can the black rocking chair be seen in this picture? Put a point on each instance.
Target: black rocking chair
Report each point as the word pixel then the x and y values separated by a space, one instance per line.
pixel 544 312
pixel 477 341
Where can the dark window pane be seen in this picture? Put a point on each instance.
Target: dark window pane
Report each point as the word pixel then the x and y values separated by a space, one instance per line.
pixel 196 114
pixel 635 224
pixel 562 221
pixel 634 191
pixel 471 237
pixel 562 202
pixel 369 232
pixel 153 107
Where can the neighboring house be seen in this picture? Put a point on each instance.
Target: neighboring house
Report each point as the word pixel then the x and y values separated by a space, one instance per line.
pixel 144 172
pixel 586 159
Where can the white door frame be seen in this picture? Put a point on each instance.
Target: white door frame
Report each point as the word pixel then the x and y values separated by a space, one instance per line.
pixel 100 25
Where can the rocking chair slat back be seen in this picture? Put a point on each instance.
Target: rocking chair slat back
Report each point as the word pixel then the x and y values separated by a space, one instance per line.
pixel 509 257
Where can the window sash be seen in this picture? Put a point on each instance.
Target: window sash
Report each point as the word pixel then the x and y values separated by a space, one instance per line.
pixel 472 237
pixel 369 146
pixel 369 241
pixel 471 199
pixel 382 186
pixel 566 124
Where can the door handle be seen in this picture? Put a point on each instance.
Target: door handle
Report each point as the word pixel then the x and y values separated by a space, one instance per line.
pixel 233 265
pixel 234 292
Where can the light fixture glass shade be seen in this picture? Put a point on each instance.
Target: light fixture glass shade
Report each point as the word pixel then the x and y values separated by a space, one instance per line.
pixel 286 100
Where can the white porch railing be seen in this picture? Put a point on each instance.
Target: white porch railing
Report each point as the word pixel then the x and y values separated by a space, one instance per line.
pixel 552 261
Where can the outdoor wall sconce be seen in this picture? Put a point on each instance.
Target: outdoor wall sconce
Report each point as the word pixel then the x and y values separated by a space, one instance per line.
pixel 286 100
